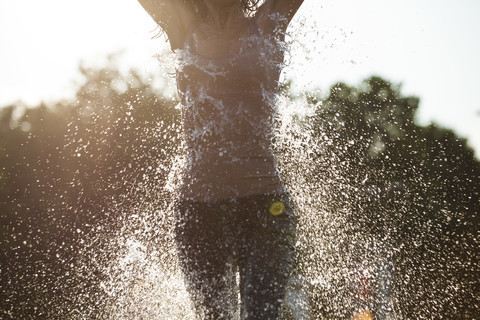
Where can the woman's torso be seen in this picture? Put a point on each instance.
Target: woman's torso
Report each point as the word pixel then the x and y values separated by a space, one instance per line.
pixel 228 112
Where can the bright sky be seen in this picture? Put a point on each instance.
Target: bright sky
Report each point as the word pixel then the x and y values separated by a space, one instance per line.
pixel 432 47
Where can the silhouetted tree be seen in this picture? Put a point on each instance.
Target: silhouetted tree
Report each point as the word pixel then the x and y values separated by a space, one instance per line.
pixel 416 187
pixel 64 168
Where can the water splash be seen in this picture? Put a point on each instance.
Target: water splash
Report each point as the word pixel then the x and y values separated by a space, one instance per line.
pixel 137 263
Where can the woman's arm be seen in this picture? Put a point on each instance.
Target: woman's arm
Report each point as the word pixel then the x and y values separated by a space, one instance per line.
pixel 284 10
pixel 173 16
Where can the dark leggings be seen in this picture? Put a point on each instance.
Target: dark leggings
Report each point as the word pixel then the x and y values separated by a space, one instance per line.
pixel 252 235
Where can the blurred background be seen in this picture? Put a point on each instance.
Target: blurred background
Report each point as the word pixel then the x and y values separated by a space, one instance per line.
pixel 88 128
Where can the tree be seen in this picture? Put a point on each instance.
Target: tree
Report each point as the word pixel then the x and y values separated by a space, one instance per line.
pixel 418 187
pixel 64 170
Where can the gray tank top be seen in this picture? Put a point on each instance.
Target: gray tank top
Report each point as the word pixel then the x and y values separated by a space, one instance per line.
pixel 227 114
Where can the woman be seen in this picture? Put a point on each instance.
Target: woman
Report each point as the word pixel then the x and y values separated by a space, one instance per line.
pixel 233 211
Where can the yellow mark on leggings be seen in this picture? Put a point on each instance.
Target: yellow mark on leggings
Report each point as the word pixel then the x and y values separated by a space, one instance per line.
pixel 362 315
pixel 277 208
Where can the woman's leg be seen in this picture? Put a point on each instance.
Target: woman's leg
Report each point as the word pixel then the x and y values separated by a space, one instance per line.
pixel 205 256
pixel 267 255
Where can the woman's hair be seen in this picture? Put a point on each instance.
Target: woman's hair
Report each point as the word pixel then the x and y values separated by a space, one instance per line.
pixel 248 6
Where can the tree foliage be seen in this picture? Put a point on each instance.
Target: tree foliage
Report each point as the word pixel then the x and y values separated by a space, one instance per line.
pixel 415 187
pixel 64 168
